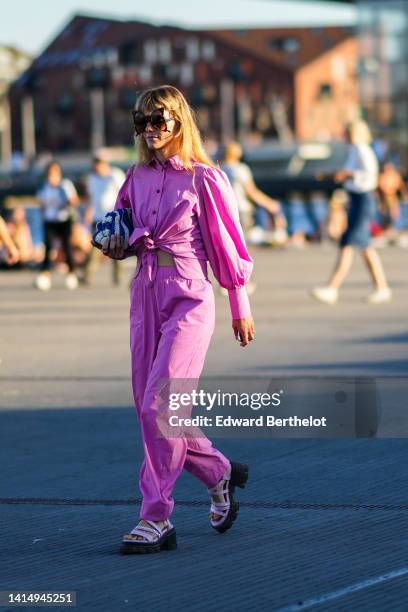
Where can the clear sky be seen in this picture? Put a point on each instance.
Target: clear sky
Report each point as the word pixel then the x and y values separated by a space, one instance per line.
pixel 31 25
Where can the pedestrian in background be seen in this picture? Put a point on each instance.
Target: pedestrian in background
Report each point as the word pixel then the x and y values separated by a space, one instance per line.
pixel 360 179
pixel 102 187
pixel 248 194
pixel 58 199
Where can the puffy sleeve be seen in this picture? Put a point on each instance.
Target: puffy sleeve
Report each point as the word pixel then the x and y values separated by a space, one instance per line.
pixel 122 199
pixel 224 239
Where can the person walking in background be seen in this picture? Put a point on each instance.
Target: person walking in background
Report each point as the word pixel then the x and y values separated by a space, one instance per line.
pixel 248 195
pixel 103 186
pixel 184 213
pixel 6 242
pixel 57 198
pixel 360 179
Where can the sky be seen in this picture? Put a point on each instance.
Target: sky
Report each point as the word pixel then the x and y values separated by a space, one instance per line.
pixel 30 25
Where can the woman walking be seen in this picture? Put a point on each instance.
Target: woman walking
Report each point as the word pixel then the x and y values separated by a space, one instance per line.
pixel 57 196
pixel 184 213
pixel 360 178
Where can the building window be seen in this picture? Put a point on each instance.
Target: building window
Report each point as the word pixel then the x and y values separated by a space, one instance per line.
pixel 65 104
pixel 129 53
pixel 186 74
pixel 145 74
pixel 164 51
pixel 179 54
pixel 325 90
pixel 193 49
pixel 172 71
pixel 150 51
pixel 208 50
pixel 287 44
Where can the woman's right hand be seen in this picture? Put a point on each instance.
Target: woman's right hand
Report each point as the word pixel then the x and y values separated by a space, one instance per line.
pixel 114 247
pixel 244 330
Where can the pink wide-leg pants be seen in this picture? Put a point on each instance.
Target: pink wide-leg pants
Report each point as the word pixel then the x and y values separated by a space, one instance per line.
pixel 171 324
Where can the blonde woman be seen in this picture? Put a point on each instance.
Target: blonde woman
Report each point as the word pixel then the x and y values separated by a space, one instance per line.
pixel 360 179
pixel 184 213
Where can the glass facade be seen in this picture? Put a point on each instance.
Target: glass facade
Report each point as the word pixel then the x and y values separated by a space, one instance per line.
pixel 383 72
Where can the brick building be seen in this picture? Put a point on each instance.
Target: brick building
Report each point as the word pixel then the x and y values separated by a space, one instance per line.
pixel 323 64
pixel 265 83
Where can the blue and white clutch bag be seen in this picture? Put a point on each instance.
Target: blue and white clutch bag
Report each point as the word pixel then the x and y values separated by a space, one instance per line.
pixel 117 222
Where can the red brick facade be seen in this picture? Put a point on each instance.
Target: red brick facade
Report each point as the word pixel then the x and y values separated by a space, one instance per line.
pixel 240 84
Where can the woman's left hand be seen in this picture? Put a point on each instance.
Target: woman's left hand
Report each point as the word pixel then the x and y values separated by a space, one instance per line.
pixel 114 247
pixel 244 330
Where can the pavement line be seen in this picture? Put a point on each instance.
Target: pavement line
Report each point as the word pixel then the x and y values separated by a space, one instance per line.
pixel 287 505
pixel 353 588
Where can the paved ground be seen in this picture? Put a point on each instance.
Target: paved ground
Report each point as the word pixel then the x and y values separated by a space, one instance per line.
pixel 322 522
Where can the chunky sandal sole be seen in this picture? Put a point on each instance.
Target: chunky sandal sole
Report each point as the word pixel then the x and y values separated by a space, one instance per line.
pixel 239 477
pixel 168 541
pixel 239 474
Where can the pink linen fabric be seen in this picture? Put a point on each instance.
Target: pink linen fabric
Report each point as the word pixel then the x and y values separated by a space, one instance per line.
pixel 172 308
pixel 171 325
pixel 193 217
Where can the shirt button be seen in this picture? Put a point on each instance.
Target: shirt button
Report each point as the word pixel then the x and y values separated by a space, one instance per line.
pixel 153 212
pixel 157 190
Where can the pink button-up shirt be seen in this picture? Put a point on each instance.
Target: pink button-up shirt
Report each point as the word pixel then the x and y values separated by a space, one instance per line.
pixel 195 218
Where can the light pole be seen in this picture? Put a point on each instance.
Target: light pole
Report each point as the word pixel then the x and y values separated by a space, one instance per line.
pixel 28 126
pixel 227 103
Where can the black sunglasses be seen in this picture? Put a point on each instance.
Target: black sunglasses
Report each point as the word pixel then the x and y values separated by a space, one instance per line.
pixel 156 120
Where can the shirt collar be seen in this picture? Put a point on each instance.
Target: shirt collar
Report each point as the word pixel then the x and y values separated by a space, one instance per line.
pixel 174 161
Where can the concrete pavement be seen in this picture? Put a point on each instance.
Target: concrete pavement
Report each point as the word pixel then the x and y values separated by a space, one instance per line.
pixel 322 522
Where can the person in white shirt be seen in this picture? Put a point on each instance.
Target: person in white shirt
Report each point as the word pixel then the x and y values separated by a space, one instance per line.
pixel 103 186
pixel 57 197
pixel 360 179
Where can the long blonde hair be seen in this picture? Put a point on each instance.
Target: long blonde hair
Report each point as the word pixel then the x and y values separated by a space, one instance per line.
pixel 187 135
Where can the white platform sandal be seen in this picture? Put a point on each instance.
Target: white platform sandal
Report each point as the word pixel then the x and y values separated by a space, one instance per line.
pixel 227 508
pixel 155 538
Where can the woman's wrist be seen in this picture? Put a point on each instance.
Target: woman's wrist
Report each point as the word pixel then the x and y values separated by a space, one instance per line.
pixel 239 303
